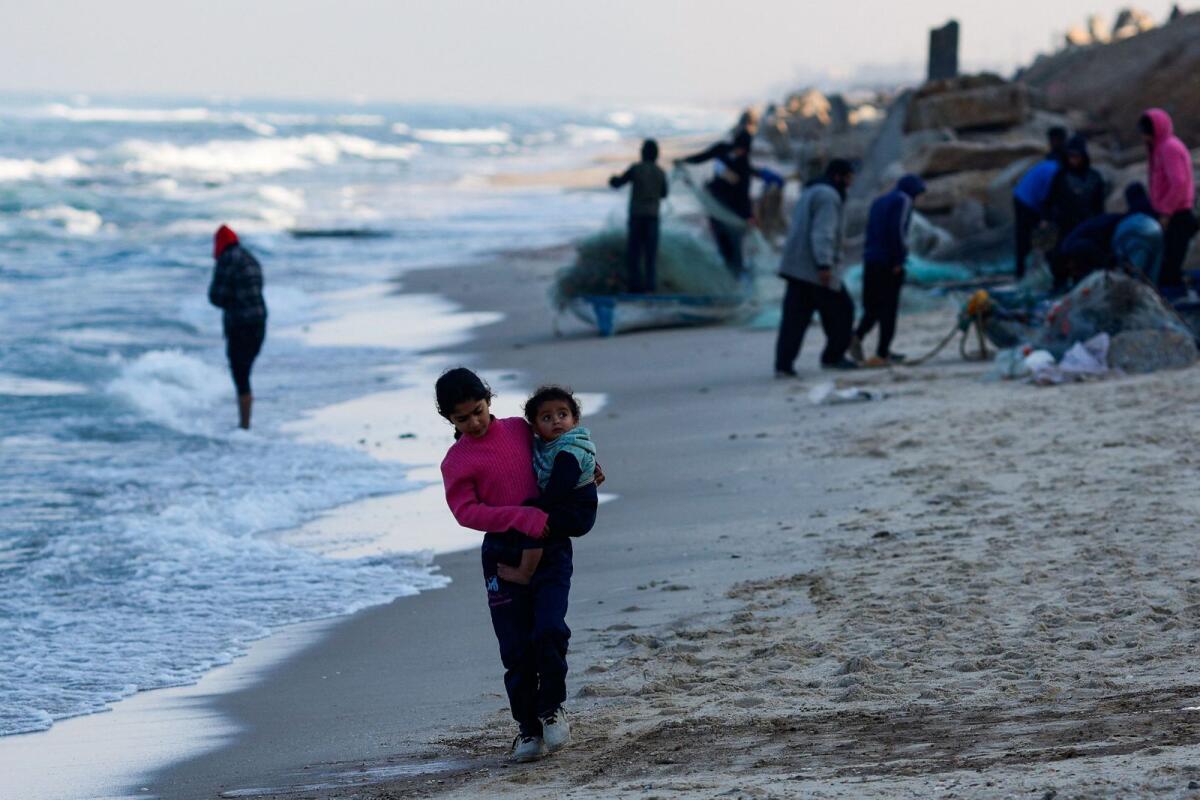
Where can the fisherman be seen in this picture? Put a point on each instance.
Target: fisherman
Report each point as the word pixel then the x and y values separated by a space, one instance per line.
pixel 730 187
pixel 1172 193
pixel 884 254
pixel 1076 195
pixel 649 187
pixel 1029 195
pixel 811 265
pixel 236 289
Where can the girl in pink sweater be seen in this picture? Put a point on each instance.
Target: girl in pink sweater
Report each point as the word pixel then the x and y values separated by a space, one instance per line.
pixel 489 479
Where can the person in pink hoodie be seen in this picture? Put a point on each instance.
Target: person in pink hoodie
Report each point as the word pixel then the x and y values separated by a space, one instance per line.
pixel 489 480
pixel 1172 192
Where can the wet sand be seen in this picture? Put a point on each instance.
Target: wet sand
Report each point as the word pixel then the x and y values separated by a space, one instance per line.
pixel 967 589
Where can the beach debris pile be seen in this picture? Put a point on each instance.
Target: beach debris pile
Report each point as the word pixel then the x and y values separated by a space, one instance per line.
pixel 828 394
pixel 1109 322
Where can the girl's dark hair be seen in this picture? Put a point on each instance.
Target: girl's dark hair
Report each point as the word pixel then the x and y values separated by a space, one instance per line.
pixel 545 394
pixel 459 385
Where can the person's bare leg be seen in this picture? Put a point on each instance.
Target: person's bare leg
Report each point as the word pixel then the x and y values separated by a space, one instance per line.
pixel 523 573
pixel 245 401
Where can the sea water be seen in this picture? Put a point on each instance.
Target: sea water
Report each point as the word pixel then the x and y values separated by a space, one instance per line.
pixel 135 520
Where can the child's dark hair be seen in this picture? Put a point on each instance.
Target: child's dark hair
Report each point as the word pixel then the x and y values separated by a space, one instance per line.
pixel 545 394
pixel 459 385
pixel 649 150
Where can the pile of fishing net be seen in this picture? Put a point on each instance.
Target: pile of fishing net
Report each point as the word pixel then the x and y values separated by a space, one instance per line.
pixel 1147 333
pixel 687 265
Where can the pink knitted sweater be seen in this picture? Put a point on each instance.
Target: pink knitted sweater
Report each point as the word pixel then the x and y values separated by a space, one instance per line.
pixel 488 479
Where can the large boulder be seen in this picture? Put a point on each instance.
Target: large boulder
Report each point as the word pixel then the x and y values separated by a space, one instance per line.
pixel 1116 82
pixel 942 194
pixel 984 105
pixel 944 158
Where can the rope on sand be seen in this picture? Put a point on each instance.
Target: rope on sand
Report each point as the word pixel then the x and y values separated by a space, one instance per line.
pixel 973 317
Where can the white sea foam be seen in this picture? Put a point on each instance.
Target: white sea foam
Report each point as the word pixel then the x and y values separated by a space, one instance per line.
pixel 21 386
pixel 159 116
pixel 466 136
pixel 228 157
pixel 75 221
pixel 587 134
pixel 24 169
pixel 173 389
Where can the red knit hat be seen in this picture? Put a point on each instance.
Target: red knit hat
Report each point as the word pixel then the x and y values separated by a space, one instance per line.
pixel 223 239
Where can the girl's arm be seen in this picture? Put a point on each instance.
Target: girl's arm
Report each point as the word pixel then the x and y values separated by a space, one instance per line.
pixel 471 513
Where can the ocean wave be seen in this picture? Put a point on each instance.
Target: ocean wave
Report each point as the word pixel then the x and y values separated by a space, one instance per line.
pixel 24 169
pixel 590 134
pixel 21 386
pixel 466 136
pixel 159 116
pixel 222 158
pixel 173 389
pixel 75 221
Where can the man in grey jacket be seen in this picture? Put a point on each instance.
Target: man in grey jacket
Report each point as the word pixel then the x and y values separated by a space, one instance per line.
pixel 811 265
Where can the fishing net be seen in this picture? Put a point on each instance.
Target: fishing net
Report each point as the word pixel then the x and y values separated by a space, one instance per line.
pixel 1112 303
pixel 688 262
pixel 686 265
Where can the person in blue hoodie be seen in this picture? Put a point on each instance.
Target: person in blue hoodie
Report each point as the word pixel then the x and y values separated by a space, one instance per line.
pixel 884 253
pixel 1030 193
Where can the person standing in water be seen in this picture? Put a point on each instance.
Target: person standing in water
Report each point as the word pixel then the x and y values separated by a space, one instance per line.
pixel 236 289
pixel 648 190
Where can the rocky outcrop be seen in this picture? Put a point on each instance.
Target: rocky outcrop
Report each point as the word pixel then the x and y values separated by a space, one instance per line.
pixel 984 102
pixel 943 158
pixel 1116 82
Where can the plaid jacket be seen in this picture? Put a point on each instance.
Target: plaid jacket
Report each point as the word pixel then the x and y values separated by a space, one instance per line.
pixel 236 287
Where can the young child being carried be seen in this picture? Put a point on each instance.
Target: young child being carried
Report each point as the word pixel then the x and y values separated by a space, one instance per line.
pixel 564 459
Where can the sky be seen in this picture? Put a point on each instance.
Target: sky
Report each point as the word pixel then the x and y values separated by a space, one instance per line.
pixel 506 52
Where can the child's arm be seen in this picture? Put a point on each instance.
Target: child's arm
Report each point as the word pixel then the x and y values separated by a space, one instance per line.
pixel 471 513
pixel 522 573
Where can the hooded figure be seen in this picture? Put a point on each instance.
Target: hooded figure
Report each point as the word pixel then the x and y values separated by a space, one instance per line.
pixel 884 253
pixel 1172 192
pixel 1076 195
pixel 236 289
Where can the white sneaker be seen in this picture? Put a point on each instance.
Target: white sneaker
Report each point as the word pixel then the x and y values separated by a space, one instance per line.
pixel 556 730
pixel 527 748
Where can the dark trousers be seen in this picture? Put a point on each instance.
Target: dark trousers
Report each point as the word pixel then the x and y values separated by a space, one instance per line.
pixel 1181 227
pixel 242 344
pixel 881 303
pixel 642 248
pixel 1027 220
pixel 837 318
pixel 729 243
pixel 530 625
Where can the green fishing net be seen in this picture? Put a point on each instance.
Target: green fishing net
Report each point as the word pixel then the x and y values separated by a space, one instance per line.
pixel 686 265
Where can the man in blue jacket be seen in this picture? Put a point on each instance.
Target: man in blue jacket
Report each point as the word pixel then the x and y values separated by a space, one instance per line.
pixel 884 254
pixel 1030 193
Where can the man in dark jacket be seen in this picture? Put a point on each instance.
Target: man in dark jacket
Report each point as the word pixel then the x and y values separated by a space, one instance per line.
pixel 812 266
pixel 1076 195
pixel 236 289
pixel 884 253
pixel 731 188
pixel 648 190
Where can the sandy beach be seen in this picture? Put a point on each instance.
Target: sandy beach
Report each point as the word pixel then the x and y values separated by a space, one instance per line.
pixel 967 589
